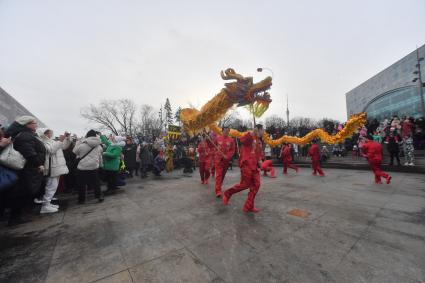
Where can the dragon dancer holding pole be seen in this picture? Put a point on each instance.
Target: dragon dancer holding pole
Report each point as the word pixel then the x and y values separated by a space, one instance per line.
pixel 242 91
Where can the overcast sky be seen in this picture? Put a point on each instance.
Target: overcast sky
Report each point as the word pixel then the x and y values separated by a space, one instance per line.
pixel 59 56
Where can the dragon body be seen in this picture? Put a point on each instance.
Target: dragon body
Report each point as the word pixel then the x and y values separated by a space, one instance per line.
pixel 244 92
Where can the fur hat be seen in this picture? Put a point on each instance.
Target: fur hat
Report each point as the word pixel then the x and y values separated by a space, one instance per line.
pixel 24 120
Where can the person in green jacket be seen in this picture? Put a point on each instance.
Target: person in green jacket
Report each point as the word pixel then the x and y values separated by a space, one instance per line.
pixel 111 160
pixel 377 137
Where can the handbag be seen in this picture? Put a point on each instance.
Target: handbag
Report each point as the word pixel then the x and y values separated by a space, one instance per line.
pixel 7 178
pixel 11 158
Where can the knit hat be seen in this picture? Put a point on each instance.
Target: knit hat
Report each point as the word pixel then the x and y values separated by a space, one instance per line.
pixel 24 120
pixel 91 133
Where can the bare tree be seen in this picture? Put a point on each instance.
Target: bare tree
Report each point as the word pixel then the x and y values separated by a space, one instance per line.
pixel 306 122
pixel 275 121
pixel 114 115
pixel 229 118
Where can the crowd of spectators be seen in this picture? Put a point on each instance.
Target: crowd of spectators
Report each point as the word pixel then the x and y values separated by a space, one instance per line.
pixel 77 165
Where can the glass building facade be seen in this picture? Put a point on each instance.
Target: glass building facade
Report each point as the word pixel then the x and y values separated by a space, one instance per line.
pixel 403 101
pixel 389 92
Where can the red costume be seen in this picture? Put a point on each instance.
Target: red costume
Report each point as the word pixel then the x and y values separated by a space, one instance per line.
pixel 315 159
pixel 373 152
pixel 267 166
pixel 204 152
pixel 287 159
pixel 251 154
pixel 223 156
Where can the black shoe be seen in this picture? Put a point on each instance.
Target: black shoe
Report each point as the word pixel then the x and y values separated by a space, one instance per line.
pixel 101 199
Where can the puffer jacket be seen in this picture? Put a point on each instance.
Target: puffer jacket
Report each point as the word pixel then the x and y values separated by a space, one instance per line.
pixel 55 164
pixel 28 144
pixel 94 159
pixel 112 155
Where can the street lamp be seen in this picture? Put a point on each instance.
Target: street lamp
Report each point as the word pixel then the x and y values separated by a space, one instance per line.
pixel 419 79
pixel 265 68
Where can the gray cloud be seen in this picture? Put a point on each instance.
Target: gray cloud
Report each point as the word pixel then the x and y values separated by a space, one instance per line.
pixel 58 56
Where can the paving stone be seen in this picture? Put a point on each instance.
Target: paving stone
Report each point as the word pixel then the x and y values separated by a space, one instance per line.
pixel 85 252
pixel 121 277
pixel 178 266
pixel 223 254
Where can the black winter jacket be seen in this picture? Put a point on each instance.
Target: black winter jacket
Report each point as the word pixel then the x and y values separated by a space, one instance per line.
pixel 28 144
pixel 130 152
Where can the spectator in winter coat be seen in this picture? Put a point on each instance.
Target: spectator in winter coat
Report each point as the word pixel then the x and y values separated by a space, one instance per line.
pixel 409 151
pixel 145 160
pixel 377 137
pixel 130 153
pixel 26 141
pixel 4 142
pixel 111 160
pixel 138 159
pixel 89 153
pixel 70 179
pixel 159 163
pixel 406 128
pixel 54 167
pixel 393 141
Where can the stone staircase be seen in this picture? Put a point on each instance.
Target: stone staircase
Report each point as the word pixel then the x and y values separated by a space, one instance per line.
pixel 360 163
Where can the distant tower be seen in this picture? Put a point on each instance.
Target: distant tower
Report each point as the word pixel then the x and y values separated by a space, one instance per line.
pixel 287 110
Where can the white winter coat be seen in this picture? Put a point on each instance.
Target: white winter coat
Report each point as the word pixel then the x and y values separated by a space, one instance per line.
pixel 94 159
pixel 55 161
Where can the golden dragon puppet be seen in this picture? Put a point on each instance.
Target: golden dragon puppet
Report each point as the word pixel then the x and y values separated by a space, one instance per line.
pixel 242 91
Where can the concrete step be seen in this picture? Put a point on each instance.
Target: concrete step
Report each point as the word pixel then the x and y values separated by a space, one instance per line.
pixel 358 164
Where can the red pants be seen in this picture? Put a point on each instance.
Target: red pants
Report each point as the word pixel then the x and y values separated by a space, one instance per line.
pixel 376 168
pixel 250 179
pixel 268 169
pixel 220 173
pixel 316 168
pixel 204 170
pixel 287 165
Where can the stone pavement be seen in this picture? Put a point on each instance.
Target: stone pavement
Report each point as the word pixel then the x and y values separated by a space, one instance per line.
pixel 173 229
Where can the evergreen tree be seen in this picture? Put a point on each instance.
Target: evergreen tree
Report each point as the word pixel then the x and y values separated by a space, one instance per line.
pixel 168 113
pixel 177 115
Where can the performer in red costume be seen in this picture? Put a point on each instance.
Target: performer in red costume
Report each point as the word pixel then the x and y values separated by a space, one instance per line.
pixel 212 154
pixel 225 148
pixel 204 152
pixel 251 154
pixel 314 152
pixel 373 152
pixel 286 156
pixel 267 166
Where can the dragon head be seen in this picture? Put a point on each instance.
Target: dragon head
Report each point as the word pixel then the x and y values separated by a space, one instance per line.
pixel 245 92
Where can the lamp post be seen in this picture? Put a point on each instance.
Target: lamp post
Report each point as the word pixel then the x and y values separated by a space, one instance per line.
pixel 260 69
pixel 419 79
pixel 265 68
